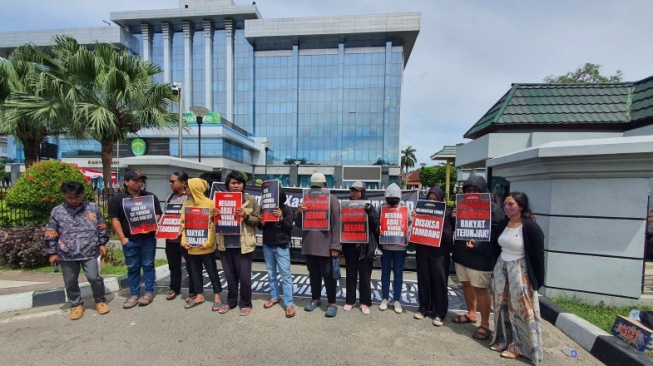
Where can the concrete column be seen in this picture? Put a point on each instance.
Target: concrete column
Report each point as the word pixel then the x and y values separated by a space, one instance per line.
pixel 230 30
pixel 146 30
pixel 166 29
pixel 188 62
pixel 208 64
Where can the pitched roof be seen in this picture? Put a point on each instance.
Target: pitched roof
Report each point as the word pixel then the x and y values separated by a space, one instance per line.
pixel 447 152
pixel 608 105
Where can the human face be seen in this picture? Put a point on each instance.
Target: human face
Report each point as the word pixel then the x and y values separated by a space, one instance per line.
pixel 74 199
pixel 235 186
pixel 432 197
pixel 355 194
pixel 176 185
pixel 511 207
pixel 472 189
pixel 135 185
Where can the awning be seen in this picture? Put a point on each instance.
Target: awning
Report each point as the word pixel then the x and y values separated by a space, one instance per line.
pixel 94 174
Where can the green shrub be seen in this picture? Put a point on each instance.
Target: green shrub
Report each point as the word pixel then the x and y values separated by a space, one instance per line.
pixel 38 189
pixel 23 247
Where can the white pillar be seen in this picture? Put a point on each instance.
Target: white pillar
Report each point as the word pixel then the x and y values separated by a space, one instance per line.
pixel 166 29
pixel 188 62
pixel 208 64
pixel 146 30
pixel 229 31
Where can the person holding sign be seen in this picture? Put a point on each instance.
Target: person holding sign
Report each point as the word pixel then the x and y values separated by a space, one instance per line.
pixel 134 214
pixel 359 255
pixel 236 250
pixel 320 247
pixel 474 266
pixel 392 238
pixel 174 251
pixel 518 274
pixel 198 237
pixel 276 249
pixel 433 267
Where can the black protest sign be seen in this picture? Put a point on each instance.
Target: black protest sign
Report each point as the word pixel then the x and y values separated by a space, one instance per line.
pixel 354 224
pixel 428 223
pixel 269 200
pixel 473 216
pixel 140 214
pixel 394 225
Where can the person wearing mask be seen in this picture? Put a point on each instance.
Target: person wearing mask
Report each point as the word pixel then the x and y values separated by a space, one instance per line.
pixel 236 250
pixel 319 248
pixel 139 249
pixel 174 251
pixel 359 257
pixel 518 275
pixel 201 256
pixel 474 266
pixel 76 233
pixel 433 269
pixel 276 250
pixel 393 259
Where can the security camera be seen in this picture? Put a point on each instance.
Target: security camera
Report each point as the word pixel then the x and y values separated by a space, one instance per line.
pixel 176 88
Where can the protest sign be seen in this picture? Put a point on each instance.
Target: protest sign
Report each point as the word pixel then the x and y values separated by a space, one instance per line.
pixel 473 216
pixel 227 222
pixel 428 223
pixel 317 214
pixel 140 214
pixel 394 225
pixel 169 223
pixel 197 221
pixel 269 200
pixel 354 224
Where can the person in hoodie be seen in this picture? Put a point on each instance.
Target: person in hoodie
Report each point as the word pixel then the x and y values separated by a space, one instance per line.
pixel 236 250
pixel 393 259
pixel 276 250
pixel 359 257
pixel 433 269
pixel 76 233
pixel 474 265
pixel 319 248
pixel 201 256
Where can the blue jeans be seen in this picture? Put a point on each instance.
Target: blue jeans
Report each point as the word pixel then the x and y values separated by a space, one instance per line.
pixel 392 260
pixel 139 253
pixel 279 257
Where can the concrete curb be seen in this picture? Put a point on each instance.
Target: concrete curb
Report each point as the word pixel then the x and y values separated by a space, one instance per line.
pixel 28 300
pixel 605 347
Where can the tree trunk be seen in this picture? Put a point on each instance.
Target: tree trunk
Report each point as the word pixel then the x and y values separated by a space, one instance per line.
pixel 107 159
pixel 31 149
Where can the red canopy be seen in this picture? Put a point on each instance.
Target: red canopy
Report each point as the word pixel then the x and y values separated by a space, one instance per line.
pixel 94 173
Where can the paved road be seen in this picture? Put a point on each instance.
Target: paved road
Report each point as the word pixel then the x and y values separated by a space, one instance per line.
pixel 166 334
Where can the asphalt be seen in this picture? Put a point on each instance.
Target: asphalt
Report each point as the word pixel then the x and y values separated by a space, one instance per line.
pixel 21 290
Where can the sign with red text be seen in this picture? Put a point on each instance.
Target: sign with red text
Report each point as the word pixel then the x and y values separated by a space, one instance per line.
pixel 197 221
pixel 140 214
pixel 317 214
pixel 473 216
pixel 354 224
pixel 169 223
pixel 394 225
pixel 226 221
pixel 428 223
pixel 269 200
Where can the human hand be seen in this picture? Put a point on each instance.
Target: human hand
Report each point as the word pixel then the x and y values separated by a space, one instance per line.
pixel 470 244
pixel 453 212
pixel 215 212
pixel 53 259
pixel 241 212
pixel 335 253
pixel 123 240
pixel 103 250
pixel 301 208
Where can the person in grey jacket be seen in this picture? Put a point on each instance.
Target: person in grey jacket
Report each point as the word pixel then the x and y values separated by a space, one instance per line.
pixel 319 248
pixel 75 235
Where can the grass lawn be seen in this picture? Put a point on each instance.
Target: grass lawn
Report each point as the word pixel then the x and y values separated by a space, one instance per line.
pixel 602 316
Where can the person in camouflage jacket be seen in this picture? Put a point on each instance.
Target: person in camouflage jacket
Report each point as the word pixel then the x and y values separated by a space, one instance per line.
pixel 75 236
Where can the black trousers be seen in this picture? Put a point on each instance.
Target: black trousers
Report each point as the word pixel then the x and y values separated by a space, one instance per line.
pixel 358 271
pixel 237 269
pixel 320 268
pixel 174 253
pixel 432 277
pixel 206 261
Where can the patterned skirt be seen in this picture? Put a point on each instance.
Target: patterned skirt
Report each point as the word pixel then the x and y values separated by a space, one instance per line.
pixel 517 318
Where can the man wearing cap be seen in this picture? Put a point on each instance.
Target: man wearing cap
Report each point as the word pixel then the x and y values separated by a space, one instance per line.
pixel 139 249
pixel 319 248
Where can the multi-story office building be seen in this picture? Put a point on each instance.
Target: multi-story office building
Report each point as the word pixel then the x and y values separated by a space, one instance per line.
pixel 323 94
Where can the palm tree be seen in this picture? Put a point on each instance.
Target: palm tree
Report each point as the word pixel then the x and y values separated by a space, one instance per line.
pixel 408 159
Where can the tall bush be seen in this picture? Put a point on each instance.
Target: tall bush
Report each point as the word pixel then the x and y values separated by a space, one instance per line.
pixel 38 189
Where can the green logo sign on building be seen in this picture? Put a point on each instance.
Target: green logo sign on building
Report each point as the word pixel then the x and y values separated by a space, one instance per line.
pixel 139 147
pixel 211 117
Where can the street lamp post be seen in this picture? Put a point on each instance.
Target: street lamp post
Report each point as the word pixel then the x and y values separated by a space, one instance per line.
pixel 176 90
pixel 266 145
pixel 297 162
pixel 420 181
pixel 199 113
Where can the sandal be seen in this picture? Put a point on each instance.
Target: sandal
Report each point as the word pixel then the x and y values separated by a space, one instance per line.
pixel 509 355
pixel 270 303
pixel 245 311
pixel 462 319
pixel 193 303
pixel 171 295
pixel 146 300
pixel 224 308
pixel 216 306
pixel 482 333
pixel 497 348
pixel 290 311
pixel 130 302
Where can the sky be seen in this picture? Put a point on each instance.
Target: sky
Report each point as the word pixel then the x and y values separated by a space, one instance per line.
pixel 467 54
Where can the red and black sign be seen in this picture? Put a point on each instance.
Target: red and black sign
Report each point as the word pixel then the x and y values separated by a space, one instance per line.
pixel 317 214
pixel 354 224
pixel 227 222
pixel 169 223
pixel 394 225
pixel 427 223
pixel 473 216
pixel 269 200
pixel 197 221
pixel 140 214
